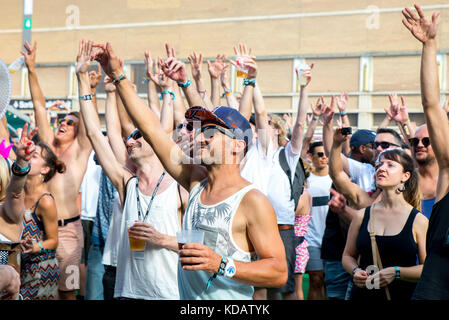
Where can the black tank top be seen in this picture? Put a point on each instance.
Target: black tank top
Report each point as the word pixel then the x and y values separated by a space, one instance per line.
pixel 397 250
pixel 434 281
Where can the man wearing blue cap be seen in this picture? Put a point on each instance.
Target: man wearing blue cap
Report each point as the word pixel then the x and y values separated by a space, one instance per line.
pixel 236 219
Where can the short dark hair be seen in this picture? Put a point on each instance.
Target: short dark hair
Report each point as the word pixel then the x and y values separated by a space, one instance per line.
pixel 313 145
pixel 75 114
pixel 394 133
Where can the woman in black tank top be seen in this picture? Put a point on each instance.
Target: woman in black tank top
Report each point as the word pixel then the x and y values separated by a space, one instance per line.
pixel 399 231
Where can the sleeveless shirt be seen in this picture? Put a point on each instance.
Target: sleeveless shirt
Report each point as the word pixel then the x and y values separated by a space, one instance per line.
pixel 216 222
pixel 395 250
pixel 434 281
pixel 152 274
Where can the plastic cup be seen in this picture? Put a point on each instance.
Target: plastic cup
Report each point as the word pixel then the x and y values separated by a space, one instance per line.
pixel 189 236
pixel 134 244
pixel 242 70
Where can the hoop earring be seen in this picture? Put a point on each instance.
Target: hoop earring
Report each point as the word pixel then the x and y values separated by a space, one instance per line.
pixel 401 188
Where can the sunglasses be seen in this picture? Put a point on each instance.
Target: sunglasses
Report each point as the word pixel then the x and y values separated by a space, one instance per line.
pixel 136 134
pixel 384 145
pixel 415 141
pixel 69 122
pixel 320 154
pixel 210 131
pixel 188 126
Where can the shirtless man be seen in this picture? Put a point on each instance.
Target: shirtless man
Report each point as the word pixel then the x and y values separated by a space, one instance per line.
pixel 218 195
pixel 424 156
pixel 71 145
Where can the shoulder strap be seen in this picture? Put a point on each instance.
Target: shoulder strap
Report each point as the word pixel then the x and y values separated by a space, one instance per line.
pixel 297 185
pixel 180 198
pixel 375 251
pixel 38 200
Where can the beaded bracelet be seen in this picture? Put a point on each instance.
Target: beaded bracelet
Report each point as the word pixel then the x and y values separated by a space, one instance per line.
pixel 184 85
pixel 251 82
pixel 170 92
pixel 120 78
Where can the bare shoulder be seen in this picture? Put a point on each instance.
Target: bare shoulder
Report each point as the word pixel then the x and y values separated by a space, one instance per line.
pixel 421 222
pixel 47 206
pixel 255 205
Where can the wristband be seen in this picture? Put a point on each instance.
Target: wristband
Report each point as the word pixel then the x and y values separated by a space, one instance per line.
pixel 355 270
pixel 343 113
pixel 19 171
pixel 221 271
pixel 230 268
pixel 86 97
pixel 170 92
pixel 249 82
pixel 146 80
pixel 315 118
pixel 40 245
pixel 184 85
pixel 228 92
pixel 398 272
pixel 120 78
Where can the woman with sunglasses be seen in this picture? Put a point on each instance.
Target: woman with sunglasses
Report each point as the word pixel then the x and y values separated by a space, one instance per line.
pixel 393 225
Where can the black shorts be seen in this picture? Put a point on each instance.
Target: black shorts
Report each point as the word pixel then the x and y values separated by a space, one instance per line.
pixel 291 241
pixel 88 225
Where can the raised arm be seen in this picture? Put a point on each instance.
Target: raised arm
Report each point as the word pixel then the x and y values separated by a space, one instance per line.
pixel 342 102
pixel 196 63
pixel 166 150
pixel 398 113
pixel 105 155
pixel 215 70
pixel 230 98
pixel 316 114
pixel 425 31
pixel 153 99
pixel 298 126
pixel 40 112
pixel 356 196
pixel 13 208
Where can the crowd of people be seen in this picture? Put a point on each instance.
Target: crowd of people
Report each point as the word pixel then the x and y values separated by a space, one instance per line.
pixel 108 215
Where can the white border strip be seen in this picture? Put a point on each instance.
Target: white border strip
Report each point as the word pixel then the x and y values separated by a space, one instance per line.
pixel 368 10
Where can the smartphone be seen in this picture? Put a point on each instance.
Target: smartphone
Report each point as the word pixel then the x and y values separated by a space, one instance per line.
pixel 346 131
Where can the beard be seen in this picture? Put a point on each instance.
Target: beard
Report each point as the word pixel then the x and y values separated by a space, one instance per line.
pixel 427 161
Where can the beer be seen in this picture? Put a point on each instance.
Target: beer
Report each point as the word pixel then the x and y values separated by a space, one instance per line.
pixel 136 244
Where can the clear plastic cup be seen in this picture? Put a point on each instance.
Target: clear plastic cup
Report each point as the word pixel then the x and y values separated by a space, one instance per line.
pixel 189 236
pixel 134 244
pixel 242 70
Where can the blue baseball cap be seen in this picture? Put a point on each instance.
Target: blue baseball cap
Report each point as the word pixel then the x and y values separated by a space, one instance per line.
pixel 362 137
pixel 227 117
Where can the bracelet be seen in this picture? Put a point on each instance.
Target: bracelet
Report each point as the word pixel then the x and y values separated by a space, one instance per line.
pixel 315 118
pixel 19 171
pixel 249 82
pixel 228 92
pixel 221 271
pixel 184 85
pixel 230 268
pixel 343 113
pixel 170 92
pixel 398 272
pixel 86 97
pixel 40 245
pixel 146 80
pixel 120 78
pixel 355 270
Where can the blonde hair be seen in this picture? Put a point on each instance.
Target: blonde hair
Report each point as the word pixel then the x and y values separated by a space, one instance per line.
pixel 5 177
pixel 280 125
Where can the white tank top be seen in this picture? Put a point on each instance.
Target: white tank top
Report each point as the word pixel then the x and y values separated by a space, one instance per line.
pixel 152 274
pixel 216 222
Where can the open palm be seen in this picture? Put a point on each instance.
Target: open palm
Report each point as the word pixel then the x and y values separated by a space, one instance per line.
pixel 421 28
pixel 83 59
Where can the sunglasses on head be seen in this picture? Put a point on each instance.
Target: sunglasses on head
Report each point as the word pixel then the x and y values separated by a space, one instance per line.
pixel 69 122
pixel 384 144
pixel 188 126
pixel 210 131
pixel 415 141
pixel 136 134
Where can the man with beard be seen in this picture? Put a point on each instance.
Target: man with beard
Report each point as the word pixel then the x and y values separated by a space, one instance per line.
pixel 427 168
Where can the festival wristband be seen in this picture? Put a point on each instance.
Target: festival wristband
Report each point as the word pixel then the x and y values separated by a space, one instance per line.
pixel 86 97
pixel 169 92
pixel 40 245
pixel 230 269
pixel 398 272
pixel 343 113
pixel 184 85
pixel 19 171
pixel 221 271
pixel 120 78
pixel 315 118
pixel 249 82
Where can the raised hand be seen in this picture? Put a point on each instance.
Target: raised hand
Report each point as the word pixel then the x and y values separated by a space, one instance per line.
pixel 112 65
pixel 251 64
pixel 421 28
pixel 320 107
pixel 241 50
pixel 397 112
pixel 84 57
pixel 196 61
pixel 94 77
pixel 25 146
pixel 174 69
pixel 307 73
pixel 342 101
pixel 216 68
pixel 108 85
pixel 328 111
pixel 30 55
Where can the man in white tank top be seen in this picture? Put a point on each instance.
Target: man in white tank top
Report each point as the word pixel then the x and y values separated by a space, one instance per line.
pixel 149 203
pixel 236 218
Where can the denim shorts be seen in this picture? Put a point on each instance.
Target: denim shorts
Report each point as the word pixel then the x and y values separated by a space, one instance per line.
pixel 336 279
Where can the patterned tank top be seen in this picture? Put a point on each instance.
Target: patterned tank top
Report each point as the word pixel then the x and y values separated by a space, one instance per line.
pixel 216 222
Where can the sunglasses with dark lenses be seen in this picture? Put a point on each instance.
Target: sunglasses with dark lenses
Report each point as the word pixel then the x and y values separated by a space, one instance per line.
pixel 188 126
pixel 320 154
pixel 415 141
pixel 69 122
pixel 136 134
pixel 384 145
pixel 210 131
